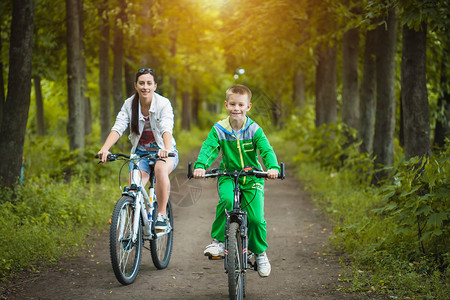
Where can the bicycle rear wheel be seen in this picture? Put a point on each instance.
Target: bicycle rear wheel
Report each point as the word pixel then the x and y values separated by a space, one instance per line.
pixel 125 253
pixel 161 244
pixel 235 264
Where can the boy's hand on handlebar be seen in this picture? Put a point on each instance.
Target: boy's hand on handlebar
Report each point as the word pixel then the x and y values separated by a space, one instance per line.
pixel 199 172
pixel 272 174
pixel 103 155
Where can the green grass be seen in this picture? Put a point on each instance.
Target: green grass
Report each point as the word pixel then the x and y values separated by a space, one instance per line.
pixel 44 220
pixel 65 196
pixel 381 256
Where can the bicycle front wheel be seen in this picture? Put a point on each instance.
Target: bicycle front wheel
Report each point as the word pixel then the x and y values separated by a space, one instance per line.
pixel 161 244
pixel 235 264
pixel 125 253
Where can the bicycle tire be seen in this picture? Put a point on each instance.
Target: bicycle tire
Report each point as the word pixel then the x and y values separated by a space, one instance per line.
pixel 235 264
pixel 161 247
pixel 125 254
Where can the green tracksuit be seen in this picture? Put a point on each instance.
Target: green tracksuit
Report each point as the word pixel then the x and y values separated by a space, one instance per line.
pixel 239 150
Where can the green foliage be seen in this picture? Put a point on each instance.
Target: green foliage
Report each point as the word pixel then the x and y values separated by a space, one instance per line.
pixel 51 156
pixel 416 200
pixel 44 219
pixel 396 235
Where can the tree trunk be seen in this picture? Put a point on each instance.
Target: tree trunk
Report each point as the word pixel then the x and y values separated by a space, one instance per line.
pixel 75 126
pixel 368 85
pixel 186 113
pixel 130 74
pixel 15 114
pixel 196 100
pixel 84 85
pixel 103 53
pixel 298 95
pixel 277 111
pixel 173 80
pixel 40 119
pixel 442 129
pixel 2 83
pixel 414 97
pixel 383 144
pixel 350 86
pixel 118 60
pixel 326 86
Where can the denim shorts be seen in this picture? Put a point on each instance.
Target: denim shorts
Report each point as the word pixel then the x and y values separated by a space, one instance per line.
pixel 144 163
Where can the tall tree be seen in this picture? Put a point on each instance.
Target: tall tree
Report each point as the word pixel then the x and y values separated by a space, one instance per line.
pixel 118 53
pixel 326 85
pixel 15 114
pixel 442 129
pixel 298 94
pixel 186 114
pixel 84 87
pixel 103 58
pixel 2 84
pixel 350 85
pixel 368 93
pixel 76 124
pixel 383 145
pixel 40 120
pixel 414 96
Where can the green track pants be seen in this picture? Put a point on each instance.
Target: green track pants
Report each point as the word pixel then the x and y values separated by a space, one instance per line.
pixel 252 202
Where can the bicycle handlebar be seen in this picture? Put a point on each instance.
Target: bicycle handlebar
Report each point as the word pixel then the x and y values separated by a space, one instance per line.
pixel 151 156
pixel 248 171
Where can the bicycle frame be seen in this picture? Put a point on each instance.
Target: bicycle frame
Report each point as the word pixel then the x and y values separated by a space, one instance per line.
pixel 139 193
pixel 239 216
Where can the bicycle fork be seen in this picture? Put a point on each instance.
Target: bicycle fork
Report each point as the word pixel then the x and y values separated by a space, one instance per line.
pixel 241 218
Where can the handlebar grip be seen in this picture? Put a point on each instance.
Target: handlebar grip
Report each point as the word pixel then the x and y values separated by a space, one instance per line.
pixel 282 174
pixel 190 173
pixel 171 154
pixel 96 156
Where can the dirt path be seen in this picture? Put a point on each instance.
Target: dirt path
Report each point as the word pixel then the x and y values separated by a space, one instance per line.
pixel 302 268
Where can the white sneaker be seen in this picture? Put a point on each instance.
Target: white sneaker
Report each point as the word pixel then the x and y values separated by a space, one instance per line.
pixel 216 248
pixel 263 265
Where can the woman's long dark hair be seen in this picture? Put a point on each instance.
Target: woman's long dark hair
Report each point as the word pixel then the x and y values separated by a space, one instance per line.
pixel 135 103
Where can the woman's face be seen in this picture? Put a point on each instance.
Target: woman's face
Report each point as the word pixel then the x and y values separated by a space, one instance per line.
pixel 145 86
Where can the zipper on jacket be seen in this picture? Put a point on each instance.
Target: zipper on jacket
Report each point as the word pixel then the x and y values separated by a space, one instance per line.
pixel 242 158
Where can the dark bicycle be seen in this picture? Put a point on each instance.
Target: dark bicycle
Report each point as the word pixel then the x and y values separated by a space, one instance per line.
pixel 237 258
pixel 133 222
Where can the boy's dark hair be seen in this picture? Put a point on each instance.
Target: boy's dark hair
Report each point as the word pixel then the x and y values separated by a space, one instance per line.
pixel 240 90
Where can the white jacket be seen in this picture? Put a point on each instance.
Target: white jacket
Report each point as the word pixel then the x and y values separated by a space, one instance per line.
pixel 161 120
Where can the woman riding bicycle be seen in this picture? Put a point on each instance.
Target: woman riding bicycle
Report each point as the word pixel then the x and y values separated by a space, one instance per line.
pixel 150 117
pixel 239 138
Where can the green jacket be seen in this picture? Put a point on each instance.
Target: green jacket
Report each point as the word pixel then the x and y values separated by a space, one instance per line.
pixel 239 149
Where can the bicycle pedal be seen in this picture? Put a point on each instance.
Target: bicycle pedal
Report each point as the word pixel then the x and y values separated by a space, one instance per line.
pixel 210 257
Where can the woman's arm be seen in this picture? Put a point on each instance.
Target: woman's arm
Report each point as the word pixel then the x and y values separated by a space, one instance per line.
pixel 167 138
pixel 112 138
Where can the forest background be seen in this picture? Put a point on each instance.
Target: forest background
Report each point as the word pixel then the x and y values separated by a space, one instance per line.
pixel 353 94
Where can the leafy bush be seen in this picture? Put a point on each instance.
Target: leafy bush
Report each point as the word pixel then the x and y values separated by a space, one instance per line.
pixel 396 235
pixel 44 219
pixel 416 201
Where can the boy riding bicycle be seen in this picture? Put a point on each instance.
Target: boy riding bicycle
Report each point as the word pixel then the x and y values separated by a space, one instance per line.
pixel 239 138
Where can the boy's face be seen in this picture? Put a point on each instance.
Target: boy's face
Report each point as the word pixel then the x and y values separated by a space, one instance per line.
pixel 237 106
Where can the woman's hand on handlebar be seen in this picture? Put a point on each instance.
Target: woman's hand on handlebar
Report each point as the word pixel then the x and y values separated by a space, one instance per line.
pixel 103 155
pixel 163 153
pixel 199 172
pixel 272 174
